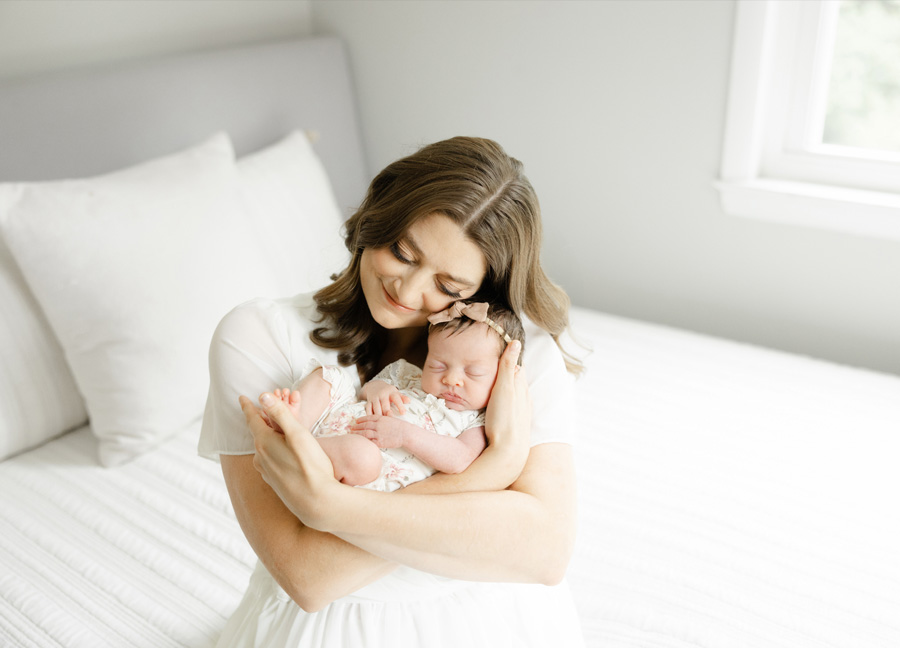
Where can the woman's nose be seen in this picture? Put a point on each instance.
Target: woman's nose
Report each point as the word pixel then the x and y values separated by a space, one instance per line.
pixel 410 290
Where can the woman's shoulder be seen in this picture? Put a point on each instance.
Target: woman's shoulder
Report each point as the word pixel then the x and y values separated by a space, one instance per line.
pixel 550 386
pixel 271 328
pixel 262 313
pixel 542 356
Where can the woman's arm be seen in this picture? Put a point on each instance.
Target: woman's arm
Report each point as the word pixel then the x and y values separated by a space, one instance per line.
pixel 523 534
pixel 314 568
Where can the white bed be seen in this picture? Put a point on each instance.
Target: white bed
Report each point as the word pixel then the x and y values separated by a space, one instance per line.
pixel 729 495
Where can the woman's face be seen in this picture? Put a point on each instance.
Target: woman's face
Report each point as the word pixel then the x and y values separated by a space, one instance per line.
pixel 433 265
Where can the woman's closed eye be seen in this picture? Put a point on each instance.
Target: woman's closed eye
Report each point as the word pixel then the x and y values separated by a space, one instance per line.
pixel 447 291
pixel 399 255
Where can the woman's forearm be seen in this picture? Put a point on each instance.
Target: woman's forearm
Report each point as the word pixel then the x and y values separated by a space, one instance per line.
pixel 313 567
pixel 524 534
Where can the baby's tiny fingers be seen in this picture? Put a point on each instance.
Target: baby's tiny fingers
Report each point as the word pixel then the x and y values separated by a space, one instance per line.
pixel 398 402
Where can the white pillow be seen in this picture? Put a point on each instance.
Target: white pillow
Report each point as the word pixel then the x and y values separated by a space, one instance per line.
pixel 288 197
pixel 133 270
pixel 38 396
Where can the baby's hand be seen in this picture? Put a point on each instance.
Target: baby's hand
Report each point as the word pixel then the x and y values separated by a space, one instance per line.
pixel 385 432
pixel 292 400
pixel 380 396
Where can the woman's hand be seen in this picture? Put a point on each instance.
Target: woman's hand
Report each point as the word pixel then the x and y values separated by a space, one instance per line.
pixel 508 415
pixel 292 462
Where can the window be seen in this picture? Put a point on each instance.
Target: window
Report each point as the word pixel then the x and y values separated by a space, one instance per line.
pixel 813 125
pixel 862 105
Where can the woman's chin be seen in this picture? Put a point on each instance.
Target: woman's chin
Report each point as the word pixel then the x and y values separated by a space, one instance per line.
pixel 389 318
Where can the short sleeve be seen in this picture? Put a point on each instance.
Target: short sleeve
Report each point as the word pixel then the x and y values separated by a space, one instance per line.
pixel 259 346
pixel 551 388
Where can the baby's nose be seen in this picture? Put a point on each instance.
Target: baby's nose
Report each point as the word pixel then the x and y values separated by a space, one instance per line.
pixel 453 378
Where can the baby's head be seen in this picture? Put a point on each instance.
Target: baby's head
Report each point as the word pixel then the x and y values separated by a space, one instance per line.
pixel 465 343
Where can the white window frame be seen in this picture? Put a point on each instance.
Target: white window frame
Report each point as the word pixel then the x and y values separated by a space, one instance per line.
pixel 772 167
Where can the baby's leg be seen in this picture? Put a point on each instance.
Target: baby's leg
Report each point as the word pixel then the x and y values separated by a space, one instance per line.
pixel 356 460
pixel 309 400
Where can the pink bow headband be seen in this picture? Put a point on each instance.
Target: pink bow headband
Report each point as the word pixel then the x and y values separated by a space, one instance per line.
pixel 477 312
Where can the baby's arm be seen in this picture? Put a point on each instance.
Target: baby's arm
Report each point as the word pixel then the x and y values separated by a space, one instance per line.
pixel 444 453
pixel 380 395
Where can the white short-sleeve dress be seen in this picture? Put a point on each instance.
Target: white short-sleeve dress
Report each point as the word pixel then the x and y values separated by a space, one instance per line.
pixel 263 345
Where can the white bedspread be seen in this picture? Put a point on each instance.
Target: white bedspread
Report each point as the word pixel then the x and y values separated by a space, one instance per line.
pixel 146 554
pixel 729 497
pixel 732 496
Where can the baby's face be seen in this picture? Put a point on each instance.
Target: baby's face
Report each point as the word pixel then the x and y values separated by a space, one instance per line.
pixel 461 367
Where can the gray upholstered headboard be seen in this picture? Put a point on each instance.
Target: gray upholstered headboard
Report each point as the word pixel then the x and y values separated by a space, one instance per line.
pixel 100 119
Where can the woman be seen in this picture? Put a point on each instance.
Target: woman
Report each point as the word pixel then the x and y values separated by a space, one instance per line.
pixel 473 559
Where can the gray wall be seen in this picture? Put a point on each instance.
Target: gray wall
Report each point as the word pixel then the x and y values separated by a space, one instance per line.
pixel 617 110
pixel 39 36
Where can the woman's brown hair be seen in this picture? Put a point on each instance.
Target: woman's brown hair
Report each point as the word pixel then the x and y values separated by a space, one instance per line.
pixel 484 191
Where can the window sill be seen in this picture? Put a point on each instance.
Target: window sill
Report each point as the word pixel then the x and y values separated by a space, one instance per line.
pixel 855 211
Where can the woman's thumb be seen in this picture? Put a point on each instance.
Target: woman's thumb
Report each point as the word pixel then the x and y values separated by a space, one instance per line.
pixel 511 354
pixel 274 407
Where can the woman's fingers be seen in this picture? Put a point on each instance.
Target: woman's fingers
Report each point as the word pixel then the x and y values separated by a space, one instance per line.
pixel 508 415
pixel 277 410
pixel 253 416
pixel 510 358
pixel 294 465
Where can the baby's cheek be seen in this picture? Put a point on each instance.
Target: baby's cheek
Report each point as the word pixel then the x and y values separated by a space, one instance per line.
pixel 481 396
pixel 428 383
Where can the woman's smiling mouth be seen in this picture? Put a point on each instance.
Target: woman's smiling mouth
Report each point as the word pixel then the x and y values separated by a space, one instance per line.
pixel 393 302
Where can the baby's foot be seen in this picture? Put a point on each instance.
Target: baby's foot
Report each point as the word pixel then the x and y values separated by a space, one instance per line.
pixel 292 400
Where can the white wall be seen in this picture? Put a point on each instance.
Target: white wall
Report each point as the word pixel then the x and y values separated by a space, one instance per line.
pixel 39 36
pixel 617 110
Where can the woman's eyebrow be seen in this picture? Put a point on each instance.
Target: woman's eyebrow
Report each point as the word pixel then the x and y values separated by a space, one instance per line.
pixel 416 250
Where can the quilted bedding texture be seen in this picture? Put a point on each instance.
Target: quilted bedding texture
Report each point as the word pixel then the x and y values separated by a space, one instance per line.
pixel 146 554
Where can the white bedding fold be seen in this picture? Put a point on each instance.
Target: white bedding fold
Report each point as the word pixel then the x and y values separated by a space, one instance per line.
pixel 146 554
